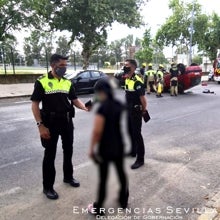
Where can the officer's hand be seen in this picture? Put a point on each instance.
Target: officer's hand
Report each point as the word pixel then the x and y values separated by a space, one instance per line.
pixel 44 132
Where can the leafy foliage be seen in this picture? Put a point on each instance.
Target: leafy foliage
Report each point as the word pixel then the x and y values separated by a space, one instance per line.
pixel 211 41
pixel 37 46
pixel 145 54
pixel 88 20
pixel 62 46
pixel 176 29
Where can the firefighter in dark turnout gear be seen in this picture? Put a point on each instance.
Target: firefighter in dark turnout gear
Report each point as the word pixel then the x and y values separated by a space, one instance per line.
pixel 137 105
pixel 55 119
pixel 174 72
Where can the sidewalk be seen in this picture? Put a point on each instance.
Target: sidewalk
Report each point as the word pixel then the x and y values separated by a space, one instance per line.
pixel 16 90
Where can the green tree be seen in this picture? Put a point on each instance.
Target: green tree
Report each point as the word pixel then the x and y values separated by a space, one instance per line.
pixel 13 16
pixel 38 46
pixel 32 47
pixel 158 55
pixel 88 20
pixel 127 42
pixel 63 46
pixel 197 59
pixel 211 41
pixel 145 54
pixel 176 30
pixel 116 50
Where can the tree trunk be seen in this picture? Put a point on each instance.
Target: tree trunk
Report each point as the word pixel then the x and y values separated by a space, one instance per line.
pixel 86 56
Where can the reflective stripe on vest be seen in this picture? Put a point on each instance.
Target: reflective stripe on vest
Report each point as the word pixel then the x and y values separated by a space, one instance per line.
pixel 129 83
pixel 160 73
pixel 150 73
pixel 53 86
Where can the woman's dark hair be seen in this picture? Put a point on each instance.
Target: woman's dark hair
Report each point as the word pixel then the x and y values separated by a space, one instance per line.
pixel 103 85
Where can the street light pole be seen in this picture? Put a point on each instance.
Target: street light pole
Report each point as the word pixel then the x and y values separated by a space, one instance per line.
pixel 191 33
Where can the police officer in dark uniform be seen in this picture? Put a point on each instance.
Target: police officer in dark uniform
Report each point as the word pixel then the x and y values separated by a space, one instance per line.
pixel 58 96
pixel 137 106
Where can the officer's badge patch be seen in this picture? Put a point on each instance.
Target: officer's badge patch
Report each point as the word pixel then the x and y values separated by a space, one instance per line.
pixel 50 84
pixel 138 87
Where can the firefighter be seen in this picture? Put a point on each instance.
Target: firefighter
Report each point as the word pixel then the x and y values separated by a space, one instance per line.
pixel 150 78
pixel 159 81
pixel 137 105
pixel 57 95
pixel 142 69
pixel 174 79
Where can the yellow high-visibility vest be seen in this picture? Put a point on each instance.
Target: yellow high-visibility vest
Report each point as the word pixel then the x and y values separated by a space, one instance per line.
pixel 160 73
pixel 54 85
pixel 129 83
pixel 150 73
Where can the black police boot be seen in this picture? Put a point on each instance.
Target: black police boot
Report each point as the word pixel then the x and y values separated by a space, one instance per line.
pixel 73 182
pixel 51 193
pixel 137 164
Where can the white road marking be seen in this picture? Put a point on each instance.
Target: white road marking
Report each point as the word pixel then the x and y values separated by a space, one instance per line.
pixel 10 191
pixel 14 163
pixel 22 102
pixel 182 116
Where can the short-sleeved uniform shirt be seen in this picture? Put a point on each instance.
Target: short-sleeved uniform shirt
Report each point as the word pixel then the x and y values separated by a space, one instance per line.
pixel 56 95
pixel 111 143
pixel 134 88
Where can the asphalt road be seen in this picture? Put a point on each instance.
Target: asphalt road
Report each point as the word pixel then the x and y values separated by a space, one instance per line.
pixel 182 160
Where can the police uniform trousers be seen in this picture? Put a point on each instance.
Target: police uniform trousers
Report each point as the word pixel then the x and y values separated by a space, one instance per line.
pixel 134 127
pixel 61 126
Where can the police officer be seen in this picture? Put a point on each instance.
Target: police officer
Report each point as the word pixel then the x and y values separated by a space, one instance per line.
pixel 174 80
pixel 150 78
pixel 55 119
pixel 137 104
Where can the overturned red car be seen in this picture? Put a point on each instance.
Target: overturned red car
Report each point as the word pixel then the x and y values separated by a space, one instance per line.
pixel 190 76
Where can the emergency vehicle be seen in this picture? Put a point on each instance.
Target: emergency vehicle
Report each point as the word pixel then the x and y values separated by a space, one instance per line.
pixel 216 67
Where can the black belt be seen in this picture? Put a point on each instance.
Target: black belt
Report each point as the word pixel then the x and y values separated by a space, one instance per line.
pixel 58 114
pixel 135 107
pixel 67 115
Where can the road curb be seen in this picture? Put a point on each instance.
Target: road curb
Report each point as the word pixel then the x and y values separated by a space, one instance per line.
pixel 16 96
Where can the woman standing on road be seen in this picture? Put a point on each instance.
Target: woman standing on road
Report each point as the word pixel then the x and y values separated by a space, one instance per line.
pixel 107 135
